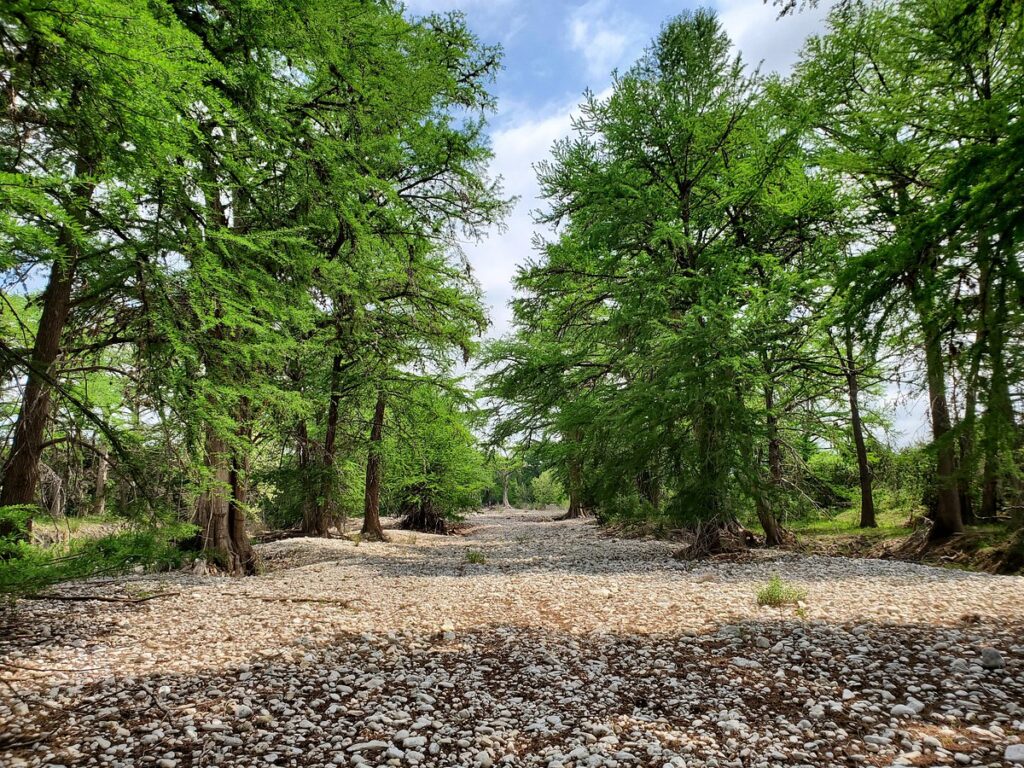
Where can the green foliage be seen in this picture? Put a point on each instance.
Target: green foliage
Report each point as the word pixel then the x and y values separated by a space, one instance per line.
pixel 475 558
pixel 778 593
pixel 26 569
pixel 547 490
pixel 431 458
pixel 256 211
pixel 738 267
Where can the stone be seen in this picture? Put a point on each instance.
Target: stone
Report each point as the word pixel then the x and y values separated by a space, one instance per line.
pixel 1014 753
pixel 992 659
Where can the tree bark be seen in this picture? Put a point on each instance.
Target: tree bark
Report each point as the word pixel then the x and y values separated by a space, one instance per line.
pixel 867 500
pixel 304 448
pixel 325 499
pixel 219 512
pixel 998 419
pixel 774 534
pixel 372 529
pixel 577 508
pixel 948 521
pixel 21 468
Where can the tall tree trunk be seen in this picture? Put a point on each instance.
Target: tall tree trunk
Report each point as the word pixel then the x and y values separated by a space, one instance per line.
pixel 325 500
pixel 867 499
pixel 576 506
pixel 218 512
pixel 99 499
pixel 967 439
pixel 774 534
pixel 948 520
pixel 504 490
pixel 372 529
pixel 21 469
pixel 998 419
pixel 307 468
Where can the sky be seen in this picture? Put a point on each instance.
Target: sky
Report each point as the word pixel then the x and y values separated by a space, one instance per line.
pixel 557 49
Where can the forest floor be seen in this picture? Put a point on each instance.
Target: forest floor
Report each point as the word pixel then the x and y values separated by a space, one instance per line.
pixel 522 642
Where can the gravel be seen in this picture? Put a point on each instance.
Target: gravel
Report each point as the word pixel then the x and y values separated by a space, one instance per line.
pixel 563 648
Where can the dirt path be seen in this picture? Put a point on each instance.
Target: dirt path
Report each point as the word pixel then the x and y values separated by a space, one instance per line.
pixel 562 648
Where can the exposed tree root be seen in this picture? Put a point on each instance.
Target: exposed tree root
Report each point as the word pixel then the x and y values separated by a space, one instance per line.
pixel 424 517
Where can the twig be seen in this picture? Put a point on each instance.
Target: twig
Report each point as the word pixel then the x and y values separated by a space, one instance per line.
pixel 327 600
pixel 98 598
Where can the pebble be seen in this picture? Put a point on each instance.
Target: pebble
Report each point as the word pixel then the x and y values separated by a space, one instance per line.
pixel 571 648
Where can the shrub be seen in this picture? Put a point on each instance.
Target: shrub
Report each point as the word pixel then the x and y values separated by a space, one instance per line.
pixel 475 558
pixel 30 568
pixel 546 489
pixel 778 593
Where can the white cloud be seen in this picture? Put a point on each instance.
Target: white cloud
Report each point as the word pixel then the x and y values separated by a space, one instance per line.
pixel 606 37
pixel 764 39
pixel 517 147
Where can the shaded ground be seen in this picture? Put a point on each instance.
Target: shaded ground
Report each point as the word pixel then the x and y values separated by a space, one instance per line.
pixel 562 648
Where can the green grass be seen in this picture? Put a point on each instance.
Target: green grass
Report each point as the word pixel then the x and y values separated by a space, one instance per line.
pixel 891 519
pixel 475 558
pixel 778 593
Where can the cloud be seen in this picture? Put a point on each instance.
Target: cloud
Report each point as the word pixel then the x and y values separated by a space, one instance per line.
pixel 764 39
pixel 518 145
pixel 607 38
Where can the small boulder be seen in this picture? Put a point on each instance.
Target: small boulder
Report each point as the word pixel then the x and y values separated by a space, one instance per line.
pixel 992 659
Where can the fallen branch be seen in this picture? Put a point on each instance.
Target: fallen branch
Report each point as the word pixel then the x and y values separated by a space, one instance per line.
pixel 271 599
pixel 98 598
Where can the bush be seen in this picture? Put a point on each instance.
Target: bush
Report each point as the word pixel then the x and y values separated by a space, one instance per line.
pixel 26 569
pixel 475 558
pixel 778 593
pixel 547 490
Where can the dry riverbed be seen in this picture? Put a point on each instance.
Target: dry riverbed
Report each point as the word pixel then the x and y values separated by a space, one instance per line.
pixel 562 648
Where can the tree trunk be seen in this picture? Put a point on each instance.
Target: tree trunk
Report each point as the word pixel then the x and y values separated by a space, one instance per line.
pixel 372 529
pixel 420 514
pixel 21 469
pixel 325 499
pixel 99 500
pixel 774 534
pixel 577 509
pixel 948 521
pixel 867 500
pixel 504 490
pixel 998 419
pixel 648 487
pixel 219 514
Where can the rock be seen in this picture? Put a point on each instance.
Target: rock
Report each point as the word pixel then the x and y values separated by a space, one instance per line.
pixel 743 663
pixel 1014 753
pixel 368 746
pixel 242 711
pixel 992 659
pixel 483 760
pixel 902 710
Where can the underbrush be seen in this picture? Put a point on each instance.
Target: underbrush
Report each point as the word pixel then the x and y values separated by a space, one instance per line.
pixel 27 568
